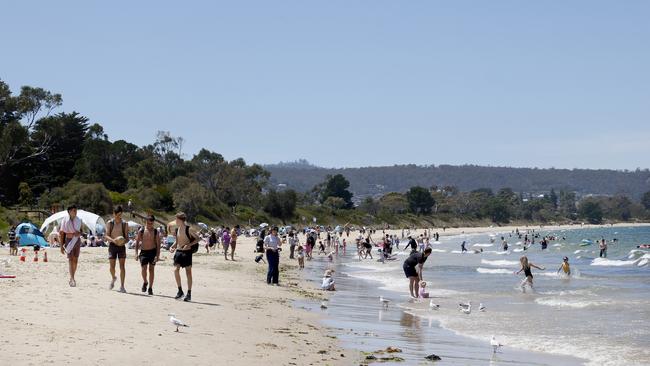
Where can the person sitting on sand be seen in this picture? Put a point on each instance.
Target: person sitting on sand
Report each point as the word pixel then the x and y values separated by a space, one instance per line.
pixel 423 290
pixel 328 281
pixel 414 274
pixel 565 266
pixel 525 267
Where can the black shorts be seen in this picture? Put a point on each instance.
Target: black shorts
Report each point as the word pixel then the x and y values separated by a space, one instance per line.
pixel 148 257
pixel 410 271
pixel 13 244
pixel 115 251
pixel 183 258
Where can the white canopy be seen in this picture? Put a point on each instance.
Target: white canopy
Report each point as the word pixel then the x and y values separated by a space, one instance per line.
pixel 133 224
pixel 91 220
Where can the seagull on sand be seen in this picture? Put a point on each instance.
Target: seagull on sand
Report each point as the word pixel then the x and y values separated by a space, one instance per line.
pixel 466 308
pixel 176 322
pixel 495 345
pixel 384 302
pixel 433 306
pixel 323 305
pixel 481 307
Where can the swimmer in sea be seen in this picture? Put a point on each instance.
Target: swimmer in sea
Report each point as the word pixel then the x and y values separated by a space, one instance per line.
pixel 526 268
pixel 565 267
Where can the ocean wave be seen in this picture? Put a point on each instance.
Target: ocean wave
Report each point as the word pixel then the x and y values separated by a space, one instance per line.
pixel 612 262
pixel 562 302
pixel 482 245
pixel 438 250
pixel 493 270
pixel 500 262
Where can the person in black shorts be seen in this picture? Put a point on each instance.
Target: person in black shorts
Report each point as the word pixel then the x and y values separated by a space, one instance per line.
pixel 183 255
pixel 150 254
pixel 413 270
pixel 116 234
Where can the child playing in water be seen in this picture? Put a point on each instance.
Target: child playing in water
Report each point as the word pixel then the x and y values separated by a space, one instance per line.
pixel 565 267
pixel 423 290
pixel 525 267
pixel 301 257
pixel 328 281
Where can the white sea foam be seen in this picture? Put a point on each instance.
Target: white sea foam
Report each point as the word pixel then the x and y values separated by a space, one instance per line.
pixel 439 250
pixel 563 302
pixel 557 245
pixel 612 262
pixel 643 262
pixel 500 262
pixel 482 245
pixel 493 270
pixel 518 250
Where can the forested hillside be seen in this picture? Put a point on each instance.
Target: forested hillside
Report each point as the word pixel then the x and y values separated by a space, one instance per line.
pixel 302 176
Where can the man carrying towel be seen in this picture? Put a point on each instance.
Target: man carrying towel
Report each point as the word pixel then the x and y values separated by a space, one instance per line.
pixel 70 239
pixel 116 235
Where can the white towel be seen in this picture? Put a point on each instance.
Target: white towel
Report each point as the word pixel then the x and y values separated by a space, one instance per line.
pixel 68 227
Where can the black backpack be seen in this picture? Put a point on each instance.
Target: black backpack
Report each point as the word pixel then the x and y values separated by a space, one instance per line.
pixel 194 247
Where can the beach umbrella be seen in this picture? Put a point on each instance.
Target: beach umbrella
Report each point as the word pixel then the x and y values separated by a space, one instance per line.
pixel 203 226
pixel 338 229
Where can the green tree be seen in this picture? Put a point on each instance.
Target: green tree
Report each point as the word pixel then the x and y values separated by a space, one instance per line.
pixel 26 196
pixel 281 204
pixel 336 186
pixel 645 200
pixel 420 200
pixel 591 211
pixel 334 203
pixel 369 205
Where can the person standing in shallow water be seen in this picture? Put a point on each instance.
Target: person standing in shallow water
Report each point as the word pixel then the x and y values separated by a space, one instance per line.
pixel 526 268
pixel 413 270
pixel 272 246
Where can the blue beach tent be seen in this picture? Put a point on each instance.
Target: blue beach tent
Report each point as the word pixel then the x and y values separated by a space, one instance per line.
pixel 29 235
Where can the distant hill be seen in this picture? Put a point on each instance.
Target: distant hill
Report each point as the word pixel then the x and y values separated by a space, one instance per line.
pixel 302 176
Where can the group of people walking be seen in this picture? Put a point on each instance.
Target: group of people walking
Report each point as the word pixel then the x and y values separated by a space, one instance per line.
pixel 147 249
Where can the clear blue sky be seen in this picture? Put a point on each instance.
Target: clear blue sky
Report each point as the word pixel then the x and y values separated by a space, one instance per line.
pixel 351 83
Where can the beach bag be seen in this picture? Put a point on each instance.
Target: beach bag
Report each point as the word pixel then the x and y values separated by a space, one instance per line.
pixel 194 247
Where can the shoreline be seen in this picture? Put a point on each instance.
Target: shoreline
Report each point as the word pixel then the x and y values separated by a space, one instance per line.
pixel 362 324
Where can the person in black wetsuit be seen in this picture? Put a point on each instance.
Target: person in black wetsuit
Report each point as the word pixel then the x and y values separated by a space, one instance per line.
pixel 525 267
pixel 413 244
pixel 413 270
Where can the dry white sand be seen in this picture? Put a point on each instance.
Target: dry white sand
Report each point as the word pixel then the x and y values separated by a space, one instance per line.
pixel 235 318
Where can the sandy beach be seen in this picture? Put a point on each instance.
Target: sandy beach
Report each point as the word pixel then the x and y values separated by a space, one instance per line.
pixel 235 318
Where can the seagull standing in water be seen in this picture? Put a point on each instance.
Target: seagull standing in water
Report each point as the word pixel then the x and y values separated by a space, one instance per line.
pixel 495 345
pixel 466 308
pixel 481 307
pixel 433 306
pixel 176 322
pixel 384 302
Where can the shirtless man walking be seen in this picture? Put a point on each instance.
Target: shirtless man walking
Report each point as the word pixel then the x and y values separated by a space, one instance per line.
pixel 116 235
pixel 183 256
pixel 150 254
pixel 70 239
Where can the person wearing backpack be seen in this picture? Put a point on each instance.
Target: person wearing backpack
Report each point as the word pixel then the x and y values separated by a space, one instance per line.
pixel 116 235
pixel 185 244
pixel 150 253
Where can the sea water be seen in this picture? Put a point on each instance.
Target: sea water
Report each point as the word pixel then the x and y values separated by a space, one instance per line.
pixel 600 313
